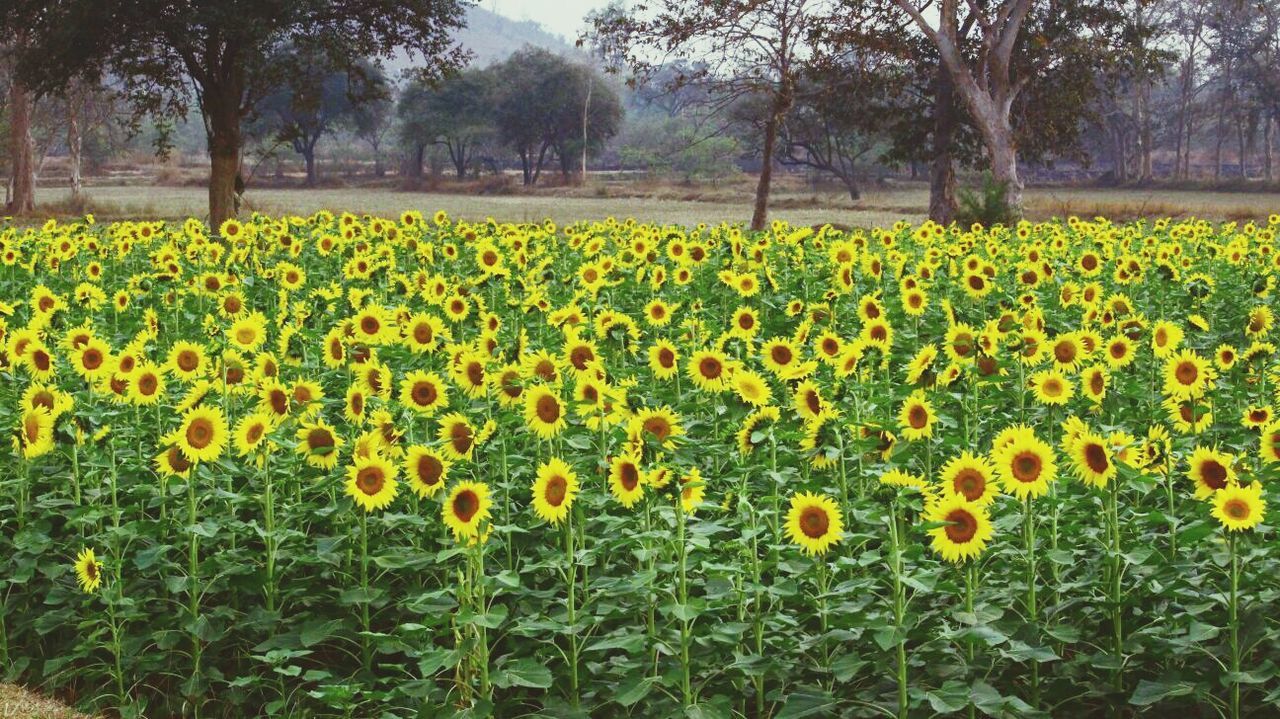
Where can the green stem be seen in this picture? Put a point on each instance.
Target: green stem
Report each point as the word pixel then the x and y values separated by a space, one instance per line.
pixel 1029 541
pixel 899 609
pixel 366 653
pixel 1233 618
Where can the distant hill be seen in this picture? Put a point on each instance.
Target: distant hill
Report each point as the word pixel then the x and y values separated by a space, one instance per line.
pixel 492 38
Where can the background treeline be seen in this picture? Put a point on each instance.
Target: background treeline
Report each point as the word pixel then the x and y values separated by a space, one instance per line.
pixel 1120 92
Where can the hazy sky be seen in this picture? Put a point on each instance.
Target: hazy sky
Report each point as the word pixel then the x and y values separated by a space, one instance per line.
pixel 560 17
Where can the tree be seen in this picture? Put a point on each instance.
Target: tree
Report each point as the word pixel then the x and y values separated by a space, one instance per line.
pixel 371 122
pixel 744 47
pixel 837 119
pixel 540 108
pixel 316 100
pixel 1018 42
pixel 219 53
pixel 456 113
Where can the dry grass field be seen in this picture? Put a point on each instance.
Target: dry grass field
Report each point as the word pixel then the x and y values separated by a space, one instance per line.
pixel 18 703
pixel 676 204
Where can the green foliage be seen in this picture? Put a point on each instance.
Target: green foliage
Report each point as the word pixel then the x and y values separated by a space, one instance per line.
pixel 988 206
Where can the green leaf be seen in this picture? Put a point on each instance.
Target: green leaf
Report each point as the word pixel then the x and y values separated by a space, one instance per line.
pixel 634 689
pixel 1149 692
pixel 523 673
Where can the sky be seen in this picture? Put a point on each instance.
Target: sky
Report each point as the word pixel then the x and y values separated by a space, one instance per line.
pixel 559 17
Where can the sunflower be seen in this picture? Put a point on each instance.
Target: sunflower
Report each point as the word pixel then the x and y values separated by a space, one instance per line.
pixel 814 522
pixel 146 384
pixel 171 463
pixel 693 489
pixel 92 359
pixel 916 417
pixel 371 482
pixel 202 436
pixel 754 429
pixel 902 478
pixel 466 509
pixel 248 333
pixel 782 357
pixel 457 436
pixel 1051 387
pixel 1119 352
pixel 36 432
pixel 426 470
pixel 709 370
pixel 318 443
pixel 663 359
pixel 423 332
pixel 1093 382
pixel 1024 463
pixel 251 431
pixel 544 412
pixel 1187 375
pixel 554 490
pixel 971 476
pixel 661 424
pixel 745 323
pixel 1091 459
pixel 751 387
pixel 965 528
pixel 1239 507
pixel 1165 338
pixel 1066 352
pixel 1210 470
pixel 470 373
pixel 88 571
pixel 626 480
pixel 187 360
pixel 423 392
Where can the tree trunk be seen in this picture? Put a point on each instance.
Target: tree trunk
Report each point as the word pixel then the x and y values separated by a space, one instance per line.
pixel 22 153
pixel 942 170
pixel 74 141
pixel 851 184
pixel 1004 165
pixel 1144 132
pixel 223 122
pixel 309 157
pixel 1268 154
pixel 761 212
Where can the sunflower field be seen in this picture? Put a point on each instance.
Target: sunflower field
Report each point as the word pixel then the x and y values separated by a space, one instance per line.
pixel 419 467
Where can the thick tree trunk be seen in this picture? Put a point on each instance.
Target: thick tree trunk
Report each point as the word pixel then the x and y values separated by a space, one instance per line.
pixel 223 123
pixel 761 213
pixel 1004 165
pixel 21 152
pixel 942 170
pixel 74 140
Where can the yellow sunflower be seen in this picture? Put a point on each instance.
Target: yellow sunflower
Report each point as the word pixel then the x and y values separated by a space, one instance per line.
pixel 426 469
pixel 88 571
pixel 1239 507
pixel 544 412
pixel 626 480
pixel 814 522
pixel 202 436
pixel 965 528
pixel 36 432
pixel 916 416
pixel 971 476
pixel 1025 464
pixel 318 443
pixel 1210 470
pixel 554 490
pixel 371 482
pixel 466 509
pixel 423 392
